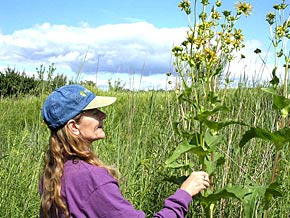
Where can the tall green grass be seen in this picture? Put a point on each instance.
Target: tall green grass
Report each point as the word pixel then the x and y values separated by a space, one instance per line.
pixel 140 137
pixel 21 145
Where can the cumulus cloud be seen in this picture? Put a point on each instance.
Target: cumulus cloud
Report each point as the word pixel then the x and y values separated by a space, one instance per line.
pixel 121 50
pixel 137 47
pixel 253 66
pixel 256 68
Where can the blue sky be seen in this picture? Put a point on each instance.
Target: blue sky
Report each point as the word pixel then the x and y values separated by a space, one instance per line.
pixel 128 40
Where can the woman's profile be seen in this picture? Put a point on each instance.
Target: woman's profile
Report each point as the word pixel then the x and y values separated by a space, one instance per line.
pixel 74 182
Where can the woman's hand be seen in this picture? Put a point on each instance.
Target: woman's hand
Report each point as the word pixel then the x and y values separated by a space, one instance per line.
pixel 195 183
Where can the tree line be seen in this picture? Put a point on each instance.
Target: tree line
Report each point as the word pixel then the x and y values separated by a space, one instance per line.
pixel 14 83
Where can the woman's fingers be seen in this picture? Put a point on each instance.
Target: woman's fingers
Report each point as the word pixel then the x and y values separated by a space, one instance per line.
pixel 196 182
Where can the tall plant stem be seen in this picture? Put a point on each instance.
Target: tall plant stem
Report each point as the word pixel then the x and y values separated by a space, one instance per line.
pixel 285 88
pixel 282 124
pixel 275 167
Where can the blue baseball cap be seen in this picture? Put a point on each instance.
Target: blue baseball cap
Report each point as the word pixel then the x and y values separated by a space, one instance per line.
pixel 66 102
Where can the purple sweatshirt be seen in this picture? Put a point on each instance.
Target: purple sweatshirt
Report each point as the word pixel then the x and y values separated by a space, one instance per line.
pixel 90 191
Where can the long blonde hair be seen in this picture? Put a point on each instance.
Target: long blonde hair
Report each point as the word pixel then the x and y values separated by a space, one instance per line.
pixel 63 146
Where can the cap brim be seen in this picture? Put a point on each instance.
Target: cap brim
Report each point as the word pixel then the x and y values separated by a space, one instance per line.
pixel 100 101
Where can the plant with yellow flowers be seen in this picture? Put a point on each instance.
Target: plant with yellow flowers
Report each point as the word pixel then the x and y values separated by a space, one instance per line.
pixel 200 62
pixel 279 23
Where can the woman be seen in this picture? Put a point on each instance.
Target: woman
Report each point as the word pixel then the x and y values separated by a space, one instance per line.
pixel 75 183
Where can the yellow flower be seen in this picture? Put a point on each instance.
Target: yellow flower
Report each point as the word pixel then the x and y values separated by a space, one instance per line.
pixel 185 6
pixel 215 15
pixel 270 18
pixel 243 7
pixel 280 31
pixel 238 34
pixel 209 54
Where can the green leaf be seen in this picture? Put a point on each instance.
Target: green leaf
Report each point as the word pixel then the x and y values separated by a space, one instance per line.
pixel 176 180
pixel 278 138
pixel 213 98
pixel 248 194
pixel 176 165
pixel 212 140
pixel 269 90
pixel 235 191
pixel 205 114
pixel 211 165
pixel 273 190
pixel 279 102
pixel 186 96
pixel 199 151
pixel 180 149
pixel 265 192
pixel 216 126
pixel 193 138
pixel 249 201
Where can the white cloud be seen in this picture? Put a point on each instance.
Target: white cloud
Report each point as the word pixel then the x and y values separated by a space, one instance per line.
pixel 114 51
pixel 135 48
pixel 252 64
pixel 114 48
pixel 256 67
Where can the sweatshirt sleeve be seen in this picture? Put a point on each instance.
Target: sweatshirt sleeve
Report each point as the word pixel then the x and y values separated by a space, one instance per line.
pixel 92 192
pixel 108 202
pixel 176 206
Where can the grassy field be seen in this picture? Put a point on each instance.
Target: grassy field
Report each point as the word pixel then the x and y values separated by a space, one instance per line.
pixel 140 137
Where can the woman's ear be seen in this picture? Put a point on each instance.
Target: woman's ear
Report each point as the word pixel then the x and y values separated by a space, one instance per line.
pixel 73 127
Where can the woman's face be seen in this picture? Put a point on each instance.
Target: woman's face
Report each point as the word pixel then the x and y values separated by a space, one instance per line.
pixel 91 125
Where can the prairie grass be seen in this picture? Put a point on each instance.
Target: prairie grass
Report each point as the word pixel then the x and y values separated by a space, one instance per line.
pixel 140 137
